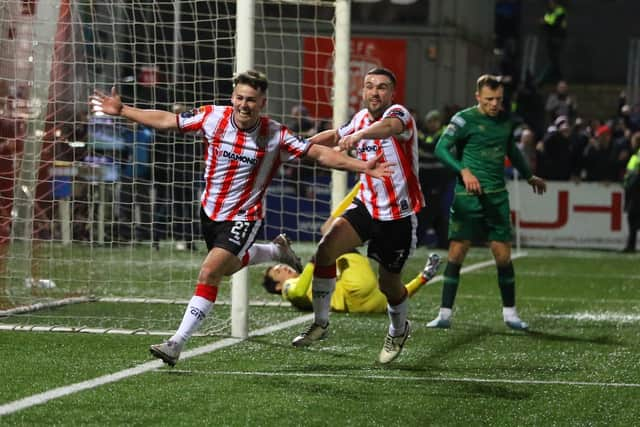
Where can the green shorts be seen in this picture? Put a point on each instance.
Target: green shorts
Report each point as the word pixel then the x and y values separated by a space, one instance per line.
pixel 481 218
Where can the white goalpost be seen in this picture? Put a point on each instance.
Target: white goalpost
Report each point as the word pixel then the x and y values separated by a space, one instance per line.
pixel 99 218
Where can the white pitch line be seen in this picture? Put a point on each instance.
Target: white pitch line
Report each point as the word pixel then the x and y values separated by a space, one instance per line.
pixel 596 317
pixel 558 299
pixel 409 378
pixel 37 399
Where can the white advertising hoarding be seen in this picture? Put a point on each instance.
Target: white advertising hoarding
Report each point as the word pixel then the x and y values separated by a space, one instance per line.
pixel 570 215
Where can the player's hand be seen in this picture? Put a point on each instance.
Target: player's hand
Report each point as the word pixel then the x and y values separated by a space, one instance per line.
pixel 378 169
pixel 538 184
pixel 346 143
pixel 108 104
pixel 471 183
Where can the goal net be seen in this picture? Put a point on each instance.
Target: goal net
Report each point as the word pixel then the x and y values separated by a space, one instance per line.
pixel 99 218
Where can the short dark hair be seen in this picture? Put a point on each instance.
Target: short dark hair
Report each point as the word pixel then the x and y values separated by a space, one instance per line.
pixel 253 78
pixel 489 80
pixel 385 72
pixel 268 283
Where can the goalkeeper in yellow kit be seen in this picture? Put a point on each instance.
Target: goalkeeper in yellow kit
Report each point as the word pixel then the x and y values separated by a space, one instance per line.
pixel 356 284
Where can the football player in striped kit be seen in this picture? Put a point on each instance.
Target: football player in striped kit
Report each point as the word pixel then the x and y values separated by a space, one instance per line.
pixel 243 151
pixel 383 213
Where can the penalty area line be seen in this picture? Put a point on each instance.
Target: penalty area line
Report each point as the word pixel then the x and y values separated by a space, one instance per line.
pixel 40 398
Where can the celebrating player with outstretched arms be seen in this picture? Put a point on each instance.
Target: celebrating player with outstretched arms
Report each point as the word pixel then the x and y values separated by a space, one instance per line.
pixel 383 213
pixel 244 150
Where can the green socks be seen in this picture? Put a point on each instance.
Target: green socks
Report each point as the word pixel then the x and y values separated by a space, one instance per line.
pixel 450 287
pixel 506 282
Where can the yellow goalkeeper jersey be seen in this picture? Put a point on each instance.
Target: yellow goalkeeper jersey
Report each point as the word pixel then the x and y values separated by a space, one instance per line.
pixel 356 287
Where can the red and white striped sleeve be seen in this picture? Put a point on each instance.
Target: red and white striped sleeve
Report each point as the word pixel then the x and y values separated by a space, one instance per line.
pixel 192 121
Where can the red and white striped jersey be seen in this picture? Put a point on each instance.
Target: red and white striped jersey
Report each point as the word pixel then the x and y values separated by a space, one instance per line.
pixel 239 164
pixel 398 195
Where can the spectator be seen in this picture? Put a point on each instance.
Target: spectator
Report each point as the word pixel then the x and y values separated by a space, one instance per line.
pixel 629 113
pixel 554 24
pixel 436 181
pixel 560 103
pixel 621 143
pixel 300 122
pixel 600 160
pixel 621 137
pixel 187 183
pixel 527 145
pixel 135 185
pixel 632 194
pixel 148 89
pixel 578 141
pixel 624 110
pixel 554 162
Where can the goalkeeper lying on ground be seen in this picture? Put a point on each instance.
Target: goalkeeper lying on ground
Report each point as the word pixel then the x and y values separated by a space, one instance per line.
pixel 356 284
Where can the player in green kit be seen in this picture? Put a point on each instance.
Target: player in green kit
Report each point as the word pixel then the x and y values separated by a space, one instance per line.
pixel 475 144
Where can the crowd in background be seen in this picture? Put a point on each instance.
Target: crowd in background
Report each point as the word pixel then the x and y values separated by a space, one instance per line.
pixel 572 147
pixel 159 178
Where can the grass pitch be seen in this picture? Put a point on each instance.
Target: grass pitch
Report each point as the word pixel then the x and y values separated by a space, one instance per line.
pixel 577 366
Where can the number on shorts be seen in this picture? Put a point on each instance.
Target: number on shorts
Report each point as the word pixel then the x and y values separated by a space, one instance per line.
pixel 240 230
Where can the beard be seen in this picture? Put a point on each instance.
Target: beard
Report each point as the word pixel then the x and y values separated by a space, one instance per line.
pixel 377 109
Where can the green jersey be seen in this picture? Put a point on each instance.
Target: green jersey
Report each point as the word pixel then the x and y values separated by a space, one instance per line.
pixel 481 143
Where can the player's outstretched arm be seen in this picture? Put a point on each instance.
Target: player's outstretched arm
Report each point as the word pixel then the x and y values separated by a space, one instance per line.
pixel 382 129
pixel 336 160
pixel 328 138
pixel 112 105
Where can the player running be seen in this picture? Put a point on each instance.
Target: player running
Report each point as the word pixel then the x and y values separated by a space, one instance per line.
pixel 243 151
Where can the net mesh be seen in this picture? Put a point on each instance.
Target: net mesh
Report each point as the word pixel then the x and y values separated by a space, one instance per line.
pixel 95 208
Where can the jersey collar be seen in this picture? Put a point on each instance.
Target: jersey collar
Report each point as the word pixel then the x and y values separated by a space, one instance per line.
pixel 250 130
